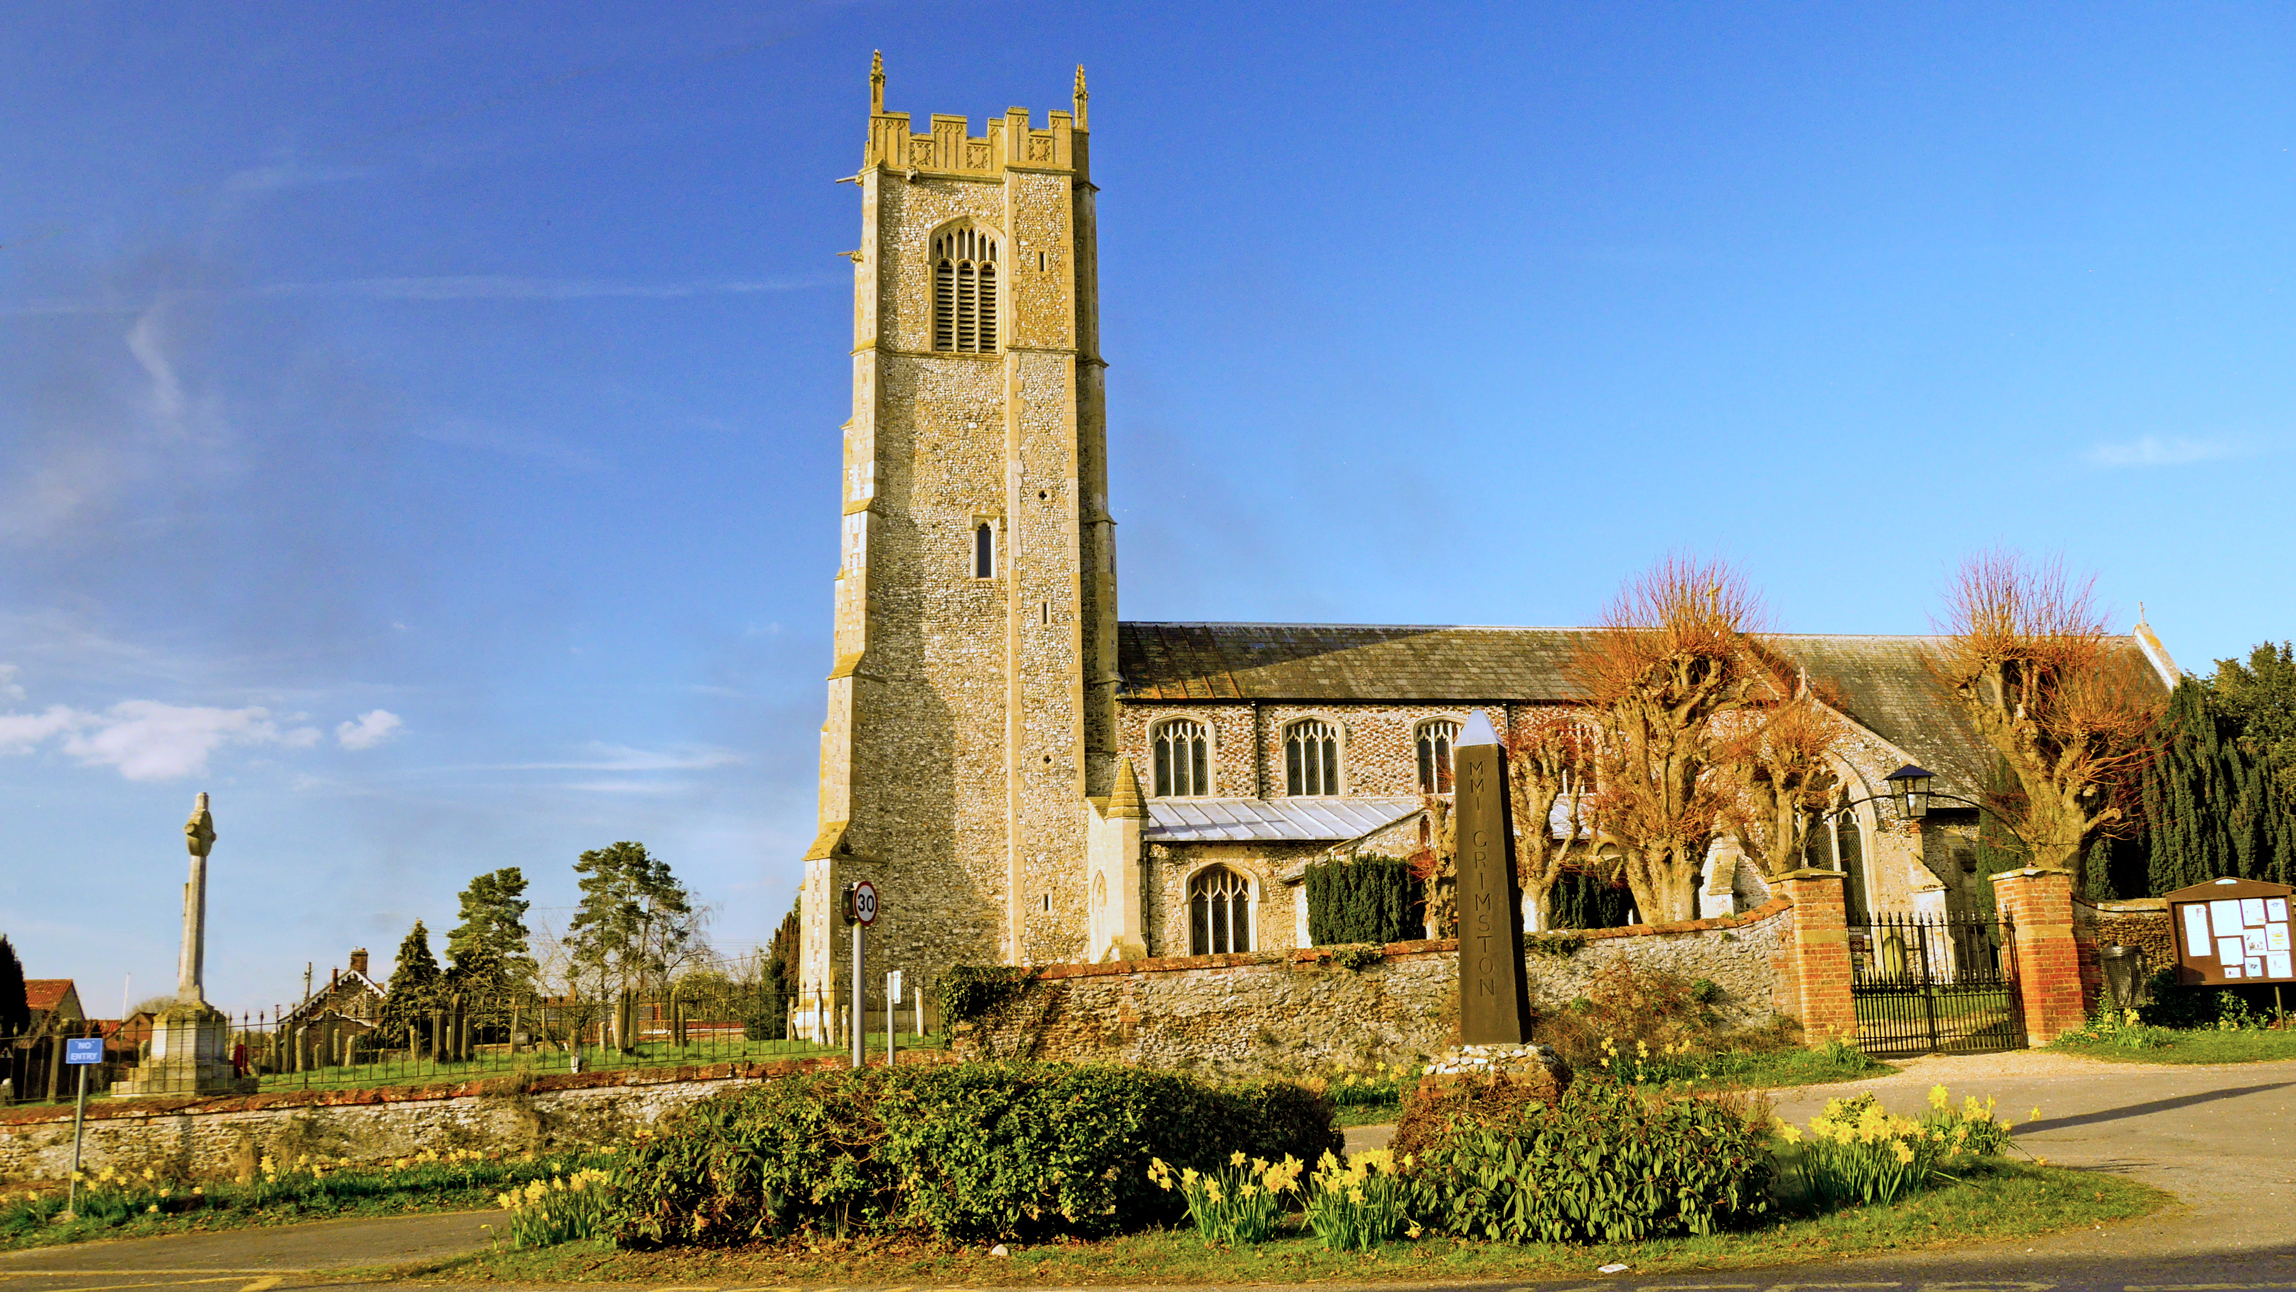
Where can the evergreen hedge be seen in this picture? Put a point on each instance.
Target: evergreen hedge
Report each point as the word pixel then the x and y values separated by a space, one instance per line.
pixel 1364 898
pixel 974 1151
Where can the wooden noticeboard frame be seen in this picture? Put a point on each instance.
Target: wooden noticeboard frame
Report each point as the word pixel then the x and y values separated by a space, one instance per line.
pixel 2248 915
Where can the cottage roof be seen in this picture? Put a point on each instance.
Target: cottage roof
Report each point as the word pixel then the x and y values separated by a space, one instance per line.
pixel 45 994
pixel 1883 683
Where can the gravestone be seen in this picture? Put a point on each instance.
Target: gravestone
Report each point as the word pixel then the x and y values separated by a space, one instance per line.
pixel 191 1039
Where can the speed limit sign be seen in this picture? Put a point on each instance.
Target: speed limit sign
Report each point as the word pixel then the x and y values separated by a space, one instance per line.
pixel 862 903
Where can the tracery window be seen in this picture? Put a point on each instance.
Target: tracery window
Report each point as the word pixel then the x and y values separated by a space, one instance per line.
pixel 1183 759
pixel 965 290
pixel 1435 741
pixel 1219 912
pixel 1311 758
pixel 1836 843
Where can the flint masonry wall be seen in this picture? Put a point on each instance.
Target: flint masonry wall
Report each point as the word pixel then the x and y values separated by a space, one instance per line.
pixel 195 1137
pixel 1302 1011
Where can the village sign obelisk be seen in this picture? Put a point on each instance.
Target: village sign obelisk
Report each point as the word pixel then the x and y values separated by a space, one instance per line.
pixel 1494 999
pixel 190 1038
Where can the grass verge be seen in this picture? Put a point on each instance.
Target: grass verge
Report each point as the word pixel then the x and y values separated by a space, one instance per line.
pixel 131 1208
pixel 2169 1045
pixel 2000 1201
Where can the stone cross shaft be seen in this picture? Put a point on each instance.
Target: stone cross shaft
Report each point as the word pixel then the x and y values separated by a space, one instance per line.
pixel 1494 999
pixel 199 836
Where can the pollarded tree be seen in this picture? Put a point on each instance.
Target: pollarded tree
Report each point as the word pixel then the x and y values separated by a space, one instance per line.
pixel 1782 761
pixel 1550 769
pixel 1671 662
pixel 2031 665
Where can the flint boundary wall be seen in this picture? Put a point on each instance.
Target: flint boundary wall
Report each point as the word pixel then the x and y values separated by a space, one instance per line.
pixel 1306 1011
pixel 188 1137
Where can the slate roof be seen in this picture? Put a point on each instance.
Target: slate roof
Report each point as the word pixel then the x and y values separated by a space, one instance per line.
pixel 1883 683
pixel 1300 820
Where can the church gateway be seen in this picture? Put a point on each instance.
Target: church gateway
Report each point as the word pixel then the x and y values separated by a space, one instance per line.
pixel 1027 779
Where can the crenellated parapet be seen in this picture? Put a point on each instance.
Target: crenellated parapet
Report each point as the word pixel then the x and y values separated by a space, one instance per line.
pixel 948 148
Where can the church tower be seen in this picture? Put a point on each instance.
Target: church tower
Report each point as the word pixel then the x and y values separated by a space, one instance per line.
pixel 972 702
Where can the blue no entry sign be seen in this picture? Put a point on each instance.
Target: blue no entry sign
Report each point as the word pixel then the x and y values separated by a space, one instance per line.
pixel 88 1050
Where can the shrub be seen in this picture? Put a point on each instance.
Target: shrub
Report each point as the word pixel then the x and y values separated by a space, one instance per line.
pixel 970 993
pixel 962 1151
pixel 1634 1010
pixel 1604 1163
pixel 1364 898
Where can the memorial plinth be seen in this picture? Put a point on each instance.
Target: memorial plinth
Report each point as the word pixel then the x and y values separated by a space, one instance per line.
pixel 191 1039
pixel 1494 998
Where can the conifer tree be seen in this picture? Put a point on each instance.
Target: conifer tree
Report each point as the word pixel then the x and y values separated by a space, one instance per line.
pixel 15 1009
pixel 489 947
pixel 414 989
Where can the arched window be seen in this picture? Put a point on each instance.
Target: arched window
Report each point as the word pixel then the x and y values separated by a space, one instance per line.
pixel 965 290
pixel 984 550
pixel 1836 843
pixel 1219 912
pixel 1311 758
pixel 1183 759
pixel 1435 741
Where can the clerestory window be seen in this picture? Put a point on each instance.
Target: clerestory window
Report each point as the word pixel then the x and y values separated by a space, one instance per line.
pixel 1435 741
pixel 1219 912
pixel 1183 759
pixel 1311 758
pixel 965 290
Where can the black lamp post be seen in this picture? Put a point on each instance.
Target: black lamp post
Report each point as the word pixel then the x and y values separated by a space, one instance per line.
pixel 1909 789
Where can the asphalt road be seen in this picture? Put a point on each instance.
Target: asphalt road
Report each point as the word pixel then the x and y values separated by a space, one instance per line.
pixel 2223 1140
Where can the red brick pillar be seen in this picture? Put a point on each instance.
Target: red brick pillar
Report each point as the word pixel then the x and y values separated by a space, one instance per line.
pixel 2039 903
pixel 1818 956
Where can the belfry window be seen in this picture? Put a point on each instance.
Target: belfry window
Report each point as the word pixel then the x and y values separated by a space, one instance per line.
pixel 1311 758
pixel 965 290
pixel 1183 765
pixel 1435 741
pixel 984 550
pixel 1219 913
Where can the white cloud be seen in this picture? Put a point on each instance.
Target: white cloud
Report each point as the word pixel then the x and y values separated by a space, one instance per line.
pixel 372 729
pixel 9 688
pixel 148 740
pixel 2160 451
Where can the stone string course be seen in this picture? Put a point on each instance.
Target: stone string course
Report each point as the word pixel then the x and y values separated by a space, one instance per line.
pixel 1301 1011
pixel 194 1136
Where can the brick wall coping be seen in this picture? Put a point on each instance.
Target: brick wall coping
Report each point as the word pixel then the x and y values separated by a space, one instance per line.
pixel 1395 950
pixel 151 1106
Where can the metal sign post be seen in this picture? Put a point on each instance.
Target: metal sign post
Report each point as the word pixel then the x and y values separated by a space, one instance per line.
pixel 82 1053
pixel 892 1020
pixel 861 912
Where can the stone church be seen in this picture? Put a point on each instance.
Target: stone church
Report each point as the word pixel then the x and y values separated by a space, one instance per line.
pixel 1027 779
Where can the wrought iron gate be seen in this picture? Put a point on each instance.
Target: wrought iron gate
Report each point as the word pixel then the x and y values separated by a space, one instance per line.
pixel 1935 984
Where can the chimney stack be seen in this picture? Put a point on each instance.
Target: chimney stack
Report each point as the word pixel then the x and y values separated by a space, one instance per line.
pixel 359 962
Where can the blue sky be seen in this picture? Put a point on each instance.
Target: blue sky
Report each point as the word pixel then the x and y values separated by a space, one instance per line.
pixel 419 429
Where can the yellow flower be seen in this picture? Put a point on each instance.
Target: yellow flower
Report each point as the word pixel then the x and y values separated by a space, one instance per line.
pixel 1236 1158
pixel 1790 1134
pixel 2036 1113
pixel 1937 1097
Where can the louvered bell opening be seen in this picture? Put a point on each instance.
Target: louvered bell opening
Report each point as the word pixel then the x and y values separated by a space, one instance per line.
pixel 968 304
pixel 988 334
pixel 944 305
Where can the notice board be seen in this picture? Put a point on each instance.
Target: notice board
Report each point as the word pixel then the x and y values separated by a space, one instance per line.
pixel 2232 931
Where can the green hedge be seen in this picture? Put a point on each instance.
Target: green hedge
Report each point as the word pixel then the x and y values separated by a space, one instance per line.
pixel 1363 899
pixel 962 1151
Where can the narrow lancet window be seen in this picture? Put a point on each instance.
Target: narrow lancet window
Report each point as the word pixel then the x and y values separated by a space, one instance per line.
pixel 984 551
